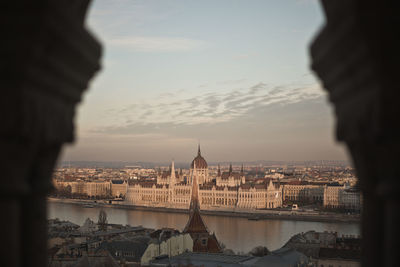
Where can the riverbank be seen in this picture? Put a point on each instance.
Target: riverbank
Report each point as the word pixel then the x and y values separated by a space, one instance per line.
pixel 249 214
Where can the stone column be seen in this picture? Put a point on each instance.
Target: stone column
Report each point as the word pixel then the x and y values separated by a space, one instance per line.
pixel 356 55
pixel 47 60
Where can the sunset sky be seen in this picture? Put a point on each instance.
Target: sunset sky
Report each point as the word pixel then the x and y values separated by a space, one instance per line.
pixel 233 75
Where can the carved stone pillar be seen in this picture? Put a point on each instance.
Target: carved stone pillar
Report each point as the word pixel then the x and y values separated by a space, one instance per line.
pixel 356 55
pixel 47 60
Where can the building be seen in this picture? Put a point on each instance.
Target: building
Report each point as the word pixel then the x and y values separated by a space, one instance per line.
pixel 98 189
pixel 230 191
pixel 259 196
pixel 119 188
pixel 167 242
pixel 280 257
pixel 87 189
pixel 201 168
pixel 169 193
pixel 203 241
pixel 167 177
pixel 230 178
pixel 194 259
pixel 331 196
pixel 342 197
pixel 327 248
pixel 304 192
pixel 350 199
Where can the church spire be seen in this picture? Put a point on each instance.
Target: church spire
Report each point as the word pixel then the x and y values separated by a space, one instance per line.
pixel 242 170
pixel 172 177
pixel 219 171
pixel 230 169
pixel 194 201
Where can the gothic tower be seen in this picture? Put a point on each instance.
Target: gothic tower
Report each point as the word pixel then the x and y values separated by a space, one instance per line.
pixel 203 241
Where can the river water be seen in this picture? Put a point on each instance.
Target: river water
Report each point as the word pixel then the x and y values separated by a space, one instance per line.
pixel 238 234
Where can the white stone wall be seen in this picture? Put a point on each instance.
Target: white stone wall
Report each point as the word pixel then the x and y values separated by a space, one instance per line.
pixel 119 189
pixel 178 196
pixel 230 182
pixel 303 192
pixel 202 176
pixel 173 246
pixel 331 196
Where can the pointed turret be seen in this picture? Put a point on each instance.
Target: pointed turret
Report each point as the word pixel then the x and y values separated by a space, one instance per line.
pixel 195 224
pixel 172 175
pixel 196 227
pixel 194 201
pixel 200 161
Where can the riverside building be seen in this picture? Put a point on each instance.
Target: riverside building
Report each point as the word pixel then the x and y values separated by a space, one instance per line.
pixel 229 191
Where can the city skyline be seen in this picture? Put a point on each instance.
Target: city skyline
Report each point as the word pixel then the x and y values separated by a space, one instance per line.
pixel 233 75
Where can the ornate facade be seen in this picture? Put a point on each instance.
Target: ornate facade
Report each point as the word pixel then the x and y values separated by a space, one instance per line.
pixel 89 189
pixel 230 178
pixel 299 191
pixel 119 188
pixel 230 190
pixel 201 168
pixel 246 196
pixel 342 197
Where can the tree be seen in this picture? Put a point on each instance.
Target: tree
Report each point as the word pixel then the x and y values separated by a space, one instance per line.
pixel 102 222
pixel 259 251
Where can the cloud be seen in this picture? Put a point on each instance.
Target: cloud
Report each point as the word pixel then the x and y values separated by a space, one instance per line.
pixel 157 44
pixel 254 89
pixel 206 108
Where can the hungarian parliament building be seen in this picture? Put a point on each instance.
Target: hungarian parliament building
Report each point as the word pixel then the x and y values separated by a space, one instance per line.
pixel 227 190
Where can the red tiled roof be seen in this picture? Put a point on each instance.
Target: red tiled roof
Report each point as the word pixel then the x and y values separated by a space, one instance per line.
pixel 195 223
pixel 211 245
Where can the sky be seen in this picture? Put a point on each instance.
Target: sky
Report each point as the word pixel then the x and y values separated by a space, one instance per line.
pixel 232 75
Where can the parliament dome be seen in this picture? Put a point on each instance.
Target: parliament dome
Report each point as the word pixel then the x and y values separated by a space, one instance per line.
pixel 201 163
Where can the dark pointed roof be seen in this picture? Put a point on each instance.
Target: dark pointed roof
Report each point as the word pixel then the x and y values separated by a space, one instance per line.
pixel 200 161
pixel 196 227
pixel 195 223
pixel 194 200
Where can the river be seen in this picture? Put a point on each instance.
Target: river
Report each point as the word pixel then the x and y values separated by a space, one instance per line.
pixel 238 234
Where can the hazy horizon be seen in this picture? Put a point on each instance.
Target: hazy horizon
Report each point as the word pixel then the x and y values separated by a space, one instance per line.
pixel 231 74
pixel 224 165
